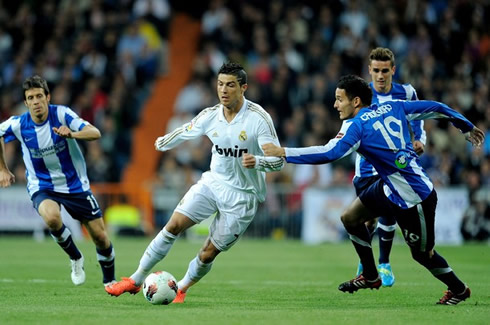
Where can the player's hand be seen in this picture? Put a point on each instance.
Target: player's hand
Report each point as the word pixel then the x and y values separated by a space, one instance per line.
pixel 248 160
pixel 272 150
pixel 63 131
pixel 475 136
pixel 6 178
pixel 418 147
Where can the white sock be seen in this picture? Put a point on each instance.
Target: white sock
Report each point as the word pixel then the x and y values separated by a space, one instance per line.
pixel 154 253
pixel 196 271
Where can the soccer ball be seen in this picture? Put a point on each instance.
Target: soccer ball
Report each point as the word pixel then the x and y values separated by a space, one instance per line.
pixel 160 288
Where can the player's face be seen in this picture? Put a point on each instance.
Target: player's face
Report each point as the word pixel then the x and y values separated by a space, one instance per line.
pixel 230 92
pixel 347 108
pixel 382 74
pixel 37 103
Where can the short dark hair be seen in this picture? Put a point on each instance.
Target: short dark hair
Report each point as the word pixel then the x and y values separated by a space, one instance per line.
pixel 382 54
pixel 35 82
pixel 355 86
pixel 234 69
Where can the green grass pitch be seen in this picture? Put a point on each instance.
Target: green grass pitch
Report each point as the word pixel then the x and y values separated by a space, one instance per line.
pixel 256 282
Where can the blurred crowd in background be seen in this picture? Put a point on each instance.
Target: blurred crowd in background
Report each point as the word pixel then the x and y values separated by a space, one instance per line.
pixel 101 57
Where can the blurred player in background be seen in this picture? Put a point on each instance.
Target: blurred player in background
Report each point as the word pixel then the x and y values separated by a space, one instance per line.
pixel 382 68
pixel 56 173
pixel 232 188
pixel 380 133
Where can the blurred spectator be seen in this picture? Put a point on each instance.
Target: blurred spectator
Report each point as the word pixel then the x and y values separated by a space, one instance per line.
pixel 83 49
pixel 294 50
pixel 476 220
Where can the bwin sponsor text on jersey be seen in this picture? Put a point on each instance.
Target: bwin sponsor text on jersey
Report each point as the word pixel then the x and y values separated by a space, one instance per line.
pixel 230 152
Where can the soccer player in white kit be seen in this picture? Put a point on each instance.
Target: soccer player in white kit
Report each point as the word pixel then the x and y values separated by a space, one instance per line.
pixel 232 188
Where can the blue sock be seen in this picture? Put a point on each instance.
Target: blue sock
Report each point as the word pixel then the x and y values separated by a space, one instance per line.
pixel 106 259
pixel 64 239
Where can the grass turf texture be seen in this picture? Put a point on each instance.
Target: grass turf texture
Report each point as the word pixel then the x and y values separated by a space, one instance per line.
pixel 257 282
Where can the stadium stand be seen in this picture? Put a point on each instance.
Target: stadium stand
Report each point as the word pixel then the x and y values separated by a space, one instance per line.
pixel 115 64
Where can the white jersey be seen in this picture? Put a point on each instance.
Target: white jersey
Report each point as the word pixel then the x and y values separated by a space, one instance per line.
pixel 52 162
pixel 250 129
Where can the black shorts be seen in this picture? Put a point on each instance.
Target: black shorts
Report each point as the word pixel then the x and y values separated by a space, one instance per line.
pixel 363 183
pixel 81 206
pixel 417 223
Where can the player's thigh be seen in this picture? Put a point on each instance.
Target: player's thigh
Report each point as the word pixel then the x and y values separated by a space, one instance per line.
pixel 49 210
pixel 178 223
pixel 356 213
pixel 417 224
pixel 198 204
pixel 236 212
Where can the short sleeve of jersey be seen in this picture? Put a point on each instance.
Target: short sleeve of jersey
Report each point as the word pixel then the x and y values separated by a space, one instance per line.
pixel 6 128
pixel 69 118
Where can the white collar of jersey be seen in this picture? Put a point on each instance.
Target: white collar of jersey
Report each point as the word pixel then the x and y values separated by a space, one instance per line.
pixel 240 114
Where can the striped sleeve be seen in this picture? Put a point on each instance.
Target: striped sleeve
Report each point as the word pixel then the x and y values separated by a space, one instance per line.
pixel 69 118
pixel 7 128
pixel 191 130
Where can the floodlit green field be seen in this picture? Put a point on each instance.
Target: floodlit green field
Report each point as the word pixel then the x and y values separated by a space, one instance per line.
pixel 257 282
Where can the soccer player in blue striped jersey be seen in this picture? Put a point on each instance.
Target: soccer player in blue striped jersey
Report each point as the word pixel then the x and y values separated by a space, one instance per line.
pixel 382 68
pixel 56 173
pixel 380 133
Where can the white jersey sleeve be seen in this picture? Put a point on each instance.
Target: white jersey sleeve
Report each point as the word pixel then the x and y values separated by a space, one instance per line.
pixel 191 130
pixel 267 134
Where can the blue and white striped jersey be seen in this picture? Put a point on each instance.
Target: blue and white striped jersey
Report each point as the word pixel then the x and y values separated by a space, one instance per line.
pixel 380 133
pixel 52 162
pixel 401 92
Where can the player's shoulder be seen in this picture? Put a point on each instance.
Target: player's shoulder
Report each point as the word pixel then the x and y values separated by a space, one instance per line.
pixel 405 90
pixel 14 119
pixel 258 110
pixel 58 108
pixel 207 113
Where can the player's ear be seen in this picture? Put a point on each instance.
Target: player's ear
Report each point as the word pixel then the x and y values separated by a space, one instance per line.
pixel 244 87
pixel 48 97
pixel 357 101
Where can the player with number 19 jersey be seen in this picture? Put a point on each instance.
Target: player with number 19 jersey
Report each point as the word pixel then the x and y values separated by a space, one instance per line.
pixel 52 162
pixel 397 92
pixel 370 131
pixel 250 129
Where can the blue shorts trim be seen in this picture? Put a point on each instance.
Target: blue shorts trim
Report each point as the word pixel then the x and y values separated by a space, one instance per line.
pixel 81 206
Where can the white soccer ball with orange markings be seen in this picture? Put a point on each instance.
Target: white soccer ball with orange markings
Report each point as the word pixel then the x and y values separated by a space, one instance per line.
pixel 160 288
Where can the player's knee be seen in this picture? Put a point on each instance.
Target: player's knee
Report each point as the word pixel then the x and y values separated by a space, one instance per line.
pixel 208 254
pixel 348 220
pixel 101 239
pixel 422 257
pixel 178 223
pixel 53 221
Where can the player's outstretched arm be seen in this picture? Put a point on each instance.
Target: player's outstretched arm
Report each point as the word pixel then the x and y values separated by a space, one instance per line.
pixel 271 150
pixel 475 136
pixel 88 133
pixel 6 177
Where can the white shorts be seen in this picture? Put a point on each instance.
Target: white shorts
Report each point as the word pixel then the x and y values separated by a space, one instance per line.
pixel 234 210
